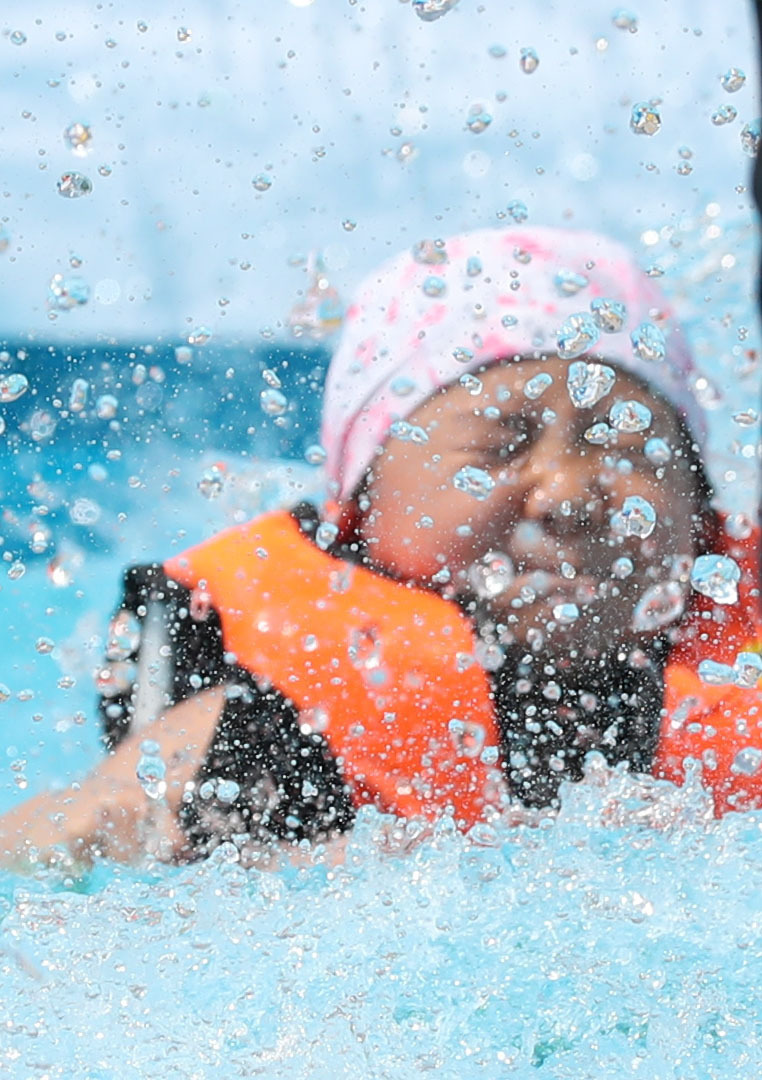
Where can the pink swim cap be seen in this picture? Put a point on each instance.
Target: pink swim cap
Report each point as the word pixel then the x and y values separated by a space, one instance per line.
pixel 426 317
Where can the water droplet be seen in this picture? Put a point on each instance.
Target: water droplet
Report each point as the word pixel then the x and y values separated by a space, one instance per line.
pixel 577 334
pixel 660 605
pixel 326 534
pixel 13 386
pixel 750 137
pixel 648 342
pixel 212 482
pixel 746 418
pixel 106 407
pixel 320 312
pixel 78 137
pixel 645 118
pixel 84 512
pixel 588 383
pixel 629 416
pixel 622 567
pixel 657 451
pixel 714 674
pixel 601 434
pixel 472 384
pixel 151 770
pixel 717 577
pixel 123 636
pixel 262 182
pixel 738 526
pixel 473 266
pixel 142 26
pixel 537 385
pixel 402 386
pixel 636 518
pixel 566 614
pixel 529 61
pixel 430 252
pixel 406 432
pixel 271 378
pixel 273 402
pixel 314 454
pixel 569 283
pixel 227 791
pixel 200 336
pixel 478 119
pixel 183 33
pixel 517 210
pixel 44 645
pixel 348 225
pixel 748 761
pixel 508 321
pixel 67 291
pixel 18 37
pixel 463 355
pixel 428 10
pixel 625 20
pixel 609 315
pixel 73 185
pixel 748 669
pixel 473 481
pixel 16 571
pixel 733 80
pixel 725 114
pixel 434 286
pixel 490 575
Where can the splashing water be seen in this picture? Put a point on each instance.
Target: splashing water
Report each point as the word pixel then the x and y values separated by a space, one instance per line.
pixel 609 315
pixel 733 80
pixel 660 605
pixel 589 383
pixel 473 481
pixel 429 10
pixel 577 334
pixel 648 342
pixel 491 575
pixel 151 770
pixel 12 386
pixel 717 577
pixel 529 61
pixel 569 283
pixel 537 385
pixel 629 416
pixel 73 185
pixel 636 518
pixel 645 119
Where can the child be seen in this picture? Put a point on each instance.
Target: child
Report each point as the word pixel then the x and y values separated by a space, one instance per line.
pixel 500 582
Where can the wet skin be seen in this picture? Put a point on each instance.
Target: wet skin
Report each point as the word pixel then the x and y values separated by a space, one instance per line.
pixel 552 502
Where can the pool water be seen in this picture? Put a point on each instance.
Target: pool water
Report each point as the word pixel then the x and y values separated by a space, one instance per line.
pixel 622 938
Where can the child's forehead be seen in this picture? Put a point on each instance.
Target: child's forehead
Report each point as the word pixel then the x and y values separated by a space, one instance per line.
pixel 507 381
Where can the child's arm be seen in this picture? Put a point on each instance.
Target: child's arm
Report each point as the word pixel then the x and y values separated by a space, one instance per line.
pixel 109 812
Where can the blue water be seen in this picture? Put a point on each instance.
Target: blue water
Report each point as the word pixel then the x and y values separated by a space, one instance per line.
pixel 622 939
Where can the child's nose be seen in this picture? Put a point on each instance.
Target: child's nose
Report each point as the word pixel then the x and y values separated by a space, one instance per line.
pixel 561 484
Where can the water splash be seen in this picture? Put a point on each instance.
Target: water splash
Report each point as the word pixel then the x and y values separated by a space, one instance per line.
pixel 717 577
pixel 589 383
pixel 473 481
pixel 577 334
pixel 636 518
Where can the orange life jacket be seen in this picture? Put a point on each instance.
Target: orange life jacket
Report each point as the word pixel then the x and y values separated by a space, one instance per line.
pixel 386 672
pixel 713 724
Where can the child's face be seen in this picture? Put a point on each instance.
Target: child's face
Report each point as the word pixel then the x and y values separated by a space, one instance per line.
pixel 547 501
